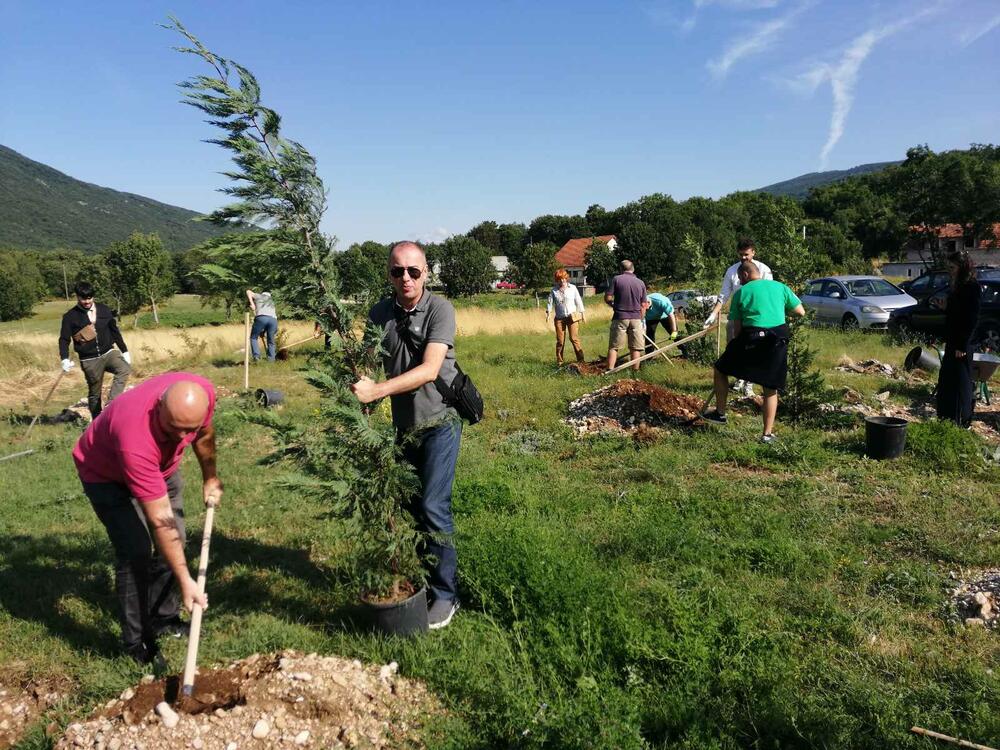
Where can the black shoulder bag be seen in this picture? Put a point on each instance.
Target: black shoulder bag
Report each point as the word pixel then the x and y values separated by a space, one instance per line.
pixel 461 393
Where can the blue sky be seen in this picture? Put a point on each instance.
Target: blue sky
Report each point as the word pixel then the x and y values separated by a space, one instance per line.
pixel 427 117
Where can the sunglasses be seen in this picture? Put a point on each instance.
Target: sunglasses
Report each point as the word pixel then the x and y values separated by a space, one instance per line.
pixel 397 272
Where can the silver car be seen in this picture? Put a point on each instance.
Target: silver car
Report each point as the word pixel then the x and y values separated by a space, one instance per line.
pixel 854 301
pixel 684 297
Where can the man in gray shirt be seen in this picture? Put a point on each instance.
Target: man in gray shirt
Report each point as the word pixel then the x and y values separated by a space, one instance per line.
pixel 627 296
pixel 265 321
pixel 419 343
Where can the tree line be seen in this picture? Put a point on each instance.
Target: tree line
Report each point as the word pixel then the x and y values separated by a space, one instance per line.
pixel 839 227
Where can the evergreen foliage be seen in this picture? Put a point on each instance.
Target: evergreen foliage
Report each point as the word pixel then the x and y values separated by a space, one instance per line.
pixel 350 457
pixel 806 387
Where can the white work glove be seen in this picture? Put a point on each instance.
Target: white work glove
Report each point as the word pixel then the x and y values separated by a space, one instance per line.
pixel 127 356
pixel 710 322
pixel 67 365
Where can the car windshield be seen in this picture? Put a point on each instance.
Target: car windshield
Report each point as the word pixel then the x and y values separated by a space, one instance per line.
pixel 988 274
pixel 871 288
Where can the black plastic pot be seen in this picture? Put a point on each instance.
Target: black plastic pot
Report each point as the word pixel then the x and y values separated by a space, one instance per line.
pixel 269 398
pixel 925 359
pixel 885 437
pixel 405 618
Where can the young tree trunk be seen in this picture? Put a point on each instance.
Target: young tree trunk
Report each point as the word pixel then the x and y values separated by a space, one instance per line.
pixel 156 314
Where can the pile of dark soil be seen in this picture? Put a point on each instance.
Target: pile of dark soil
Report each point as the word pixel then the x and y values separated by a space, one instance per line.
pixel 278 700
pixel 20 706
pixel 632 407
pixel 594 367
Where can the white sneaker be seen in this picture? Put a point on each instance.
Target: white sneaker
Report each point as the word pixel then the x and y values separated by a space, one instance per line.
pixel 747 389
pixel 738 385
pixel 439 614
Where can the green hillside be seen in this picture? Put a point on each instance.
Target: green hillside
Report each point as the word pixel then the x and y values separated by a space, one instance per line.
pixel 799 187
pixel 42 208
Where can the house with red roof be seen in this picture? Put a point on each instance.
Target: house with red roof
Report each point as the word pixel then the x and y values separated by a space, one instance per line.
pixel 920 249
pixel 573 257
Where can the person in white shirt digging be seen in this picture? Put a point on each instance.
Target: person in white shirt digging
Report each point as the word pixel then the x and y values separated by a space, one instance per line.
pixel 730 283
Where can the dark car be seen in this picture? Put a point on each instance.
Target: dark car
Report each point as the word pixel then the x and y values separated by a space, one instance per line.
pixel 930 282
pixel 927 318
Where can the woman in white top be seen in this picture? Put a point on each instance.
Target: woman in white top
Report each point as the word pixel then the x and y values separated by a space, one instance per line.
pixel 569 313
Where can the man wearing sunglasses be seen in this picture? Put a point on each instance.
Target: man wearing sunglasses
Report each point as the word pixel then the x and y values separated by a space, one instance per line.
pixel 419 343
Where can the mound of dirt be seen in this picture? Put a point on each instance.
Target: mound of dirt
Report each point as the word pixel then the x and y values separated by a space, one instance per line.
pixel 594 367
pixel 631 407
pixel 279 700
pixel 977 601
pixel 20 706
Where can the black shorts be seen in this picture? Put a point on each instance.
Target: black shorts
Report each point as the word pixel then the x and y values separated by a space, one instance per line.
pixel 758 355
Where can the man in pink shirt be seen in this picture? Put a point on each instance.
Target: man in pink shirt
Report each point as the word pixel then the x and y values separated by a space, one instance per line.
pixel 127 460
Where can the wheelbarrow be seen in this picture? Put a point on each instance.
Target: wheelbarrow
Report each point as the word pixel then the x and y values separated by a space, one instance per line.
pixel 983 367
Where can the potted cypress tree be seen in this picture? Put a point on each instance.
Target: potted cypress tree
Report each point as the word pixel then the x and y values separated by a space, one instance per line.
pixel 348 457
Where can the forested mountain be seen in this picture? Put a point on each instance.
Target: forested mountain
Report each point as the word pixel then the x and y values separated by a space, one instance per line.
pixel 42 208
pixel 799 187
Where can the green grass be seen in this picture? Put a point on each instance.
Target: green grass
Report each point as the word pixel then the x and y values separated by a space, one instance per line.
pixel 180 311
pixel 701 592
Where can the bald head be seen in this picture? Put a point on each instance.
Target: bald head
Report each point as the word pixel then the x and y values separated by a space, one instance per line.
pixel 183 408
pixel 407 272
pixel 748 271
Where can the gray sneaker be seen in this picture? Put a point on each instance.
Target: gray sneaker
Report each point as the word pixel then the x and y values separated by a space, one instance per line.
pixel 439 614
pixel 747 389
pixel 769 439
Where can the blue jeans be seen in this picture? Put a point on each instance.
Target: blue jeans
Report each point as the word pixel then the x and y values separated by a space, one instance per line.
pixel 434 454
pixel 263 324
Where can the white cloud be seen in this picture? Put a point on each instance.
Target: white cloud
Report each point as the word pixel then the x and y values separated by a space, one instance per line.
pixel 758 40
pixel 843 75
pixel 437 234
pixel 974 34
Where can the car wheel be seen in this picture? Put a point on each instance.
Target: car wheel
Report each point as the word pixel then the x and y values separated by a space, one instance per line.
pixel 850 323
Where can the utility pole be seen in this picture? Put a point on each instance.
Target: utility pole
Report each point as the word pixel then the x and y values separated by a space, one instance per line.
pixel 65 285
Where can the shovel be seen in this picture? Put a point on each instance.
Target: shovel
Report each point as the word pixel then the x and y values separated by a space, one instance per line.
pixel 44 404
pixel 195 633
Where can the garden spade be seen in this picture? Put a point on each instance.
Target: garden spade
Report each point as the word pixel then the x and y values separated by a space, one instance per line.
pixel 187 688
pixel 44 404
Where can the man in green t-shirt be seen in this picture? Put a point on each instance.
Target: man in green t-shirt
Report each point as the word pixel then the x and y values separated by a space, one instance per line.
pixel 758 352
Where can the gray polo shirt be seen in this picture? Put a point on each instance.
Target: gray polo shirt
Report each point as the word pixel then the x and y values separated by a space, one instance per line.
pixel 432 320
pixel 264 305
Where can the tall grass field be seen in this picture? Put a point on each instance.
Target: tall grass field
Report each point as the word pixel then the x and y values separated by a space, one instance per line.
pixel 699 591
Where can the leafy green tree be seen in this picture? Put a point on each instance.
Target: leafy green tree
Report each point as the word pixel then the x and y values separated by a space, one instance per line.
pixel 139 271
pixel 487 233
pixel 691 265
pixel 558 229
pixel 639 243
pixel 601 264
pixel 362 270
pixel 513 240
pixel 21 285
pixel 348 457
pixel 466 267
pixel 806 387
pixel 536 266
pixel 58 269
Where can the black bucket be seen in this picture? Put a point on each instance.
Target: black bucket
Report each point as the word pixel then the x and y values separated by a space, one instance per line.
pixel 269 398
pixel 885 437
pixel 925 359
pixel 405 618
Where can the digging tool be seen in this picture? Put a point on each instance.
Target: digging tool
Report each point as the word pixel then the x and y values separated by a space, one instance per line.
pixel 671 345
pixel 195 632
pixel 15 455
pixel 313 337
pixel 246 352
pixel 947 738
pixel 44 403
pixel 650 341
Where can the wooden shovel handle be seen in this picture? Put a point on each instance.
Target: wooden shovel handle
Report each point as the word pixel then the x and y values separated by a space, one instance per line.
pixel 44 403
pixel 195 632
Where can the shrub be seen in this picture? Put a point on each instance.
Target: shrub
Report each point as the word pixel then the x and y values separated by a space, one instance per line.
pixel 943 445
